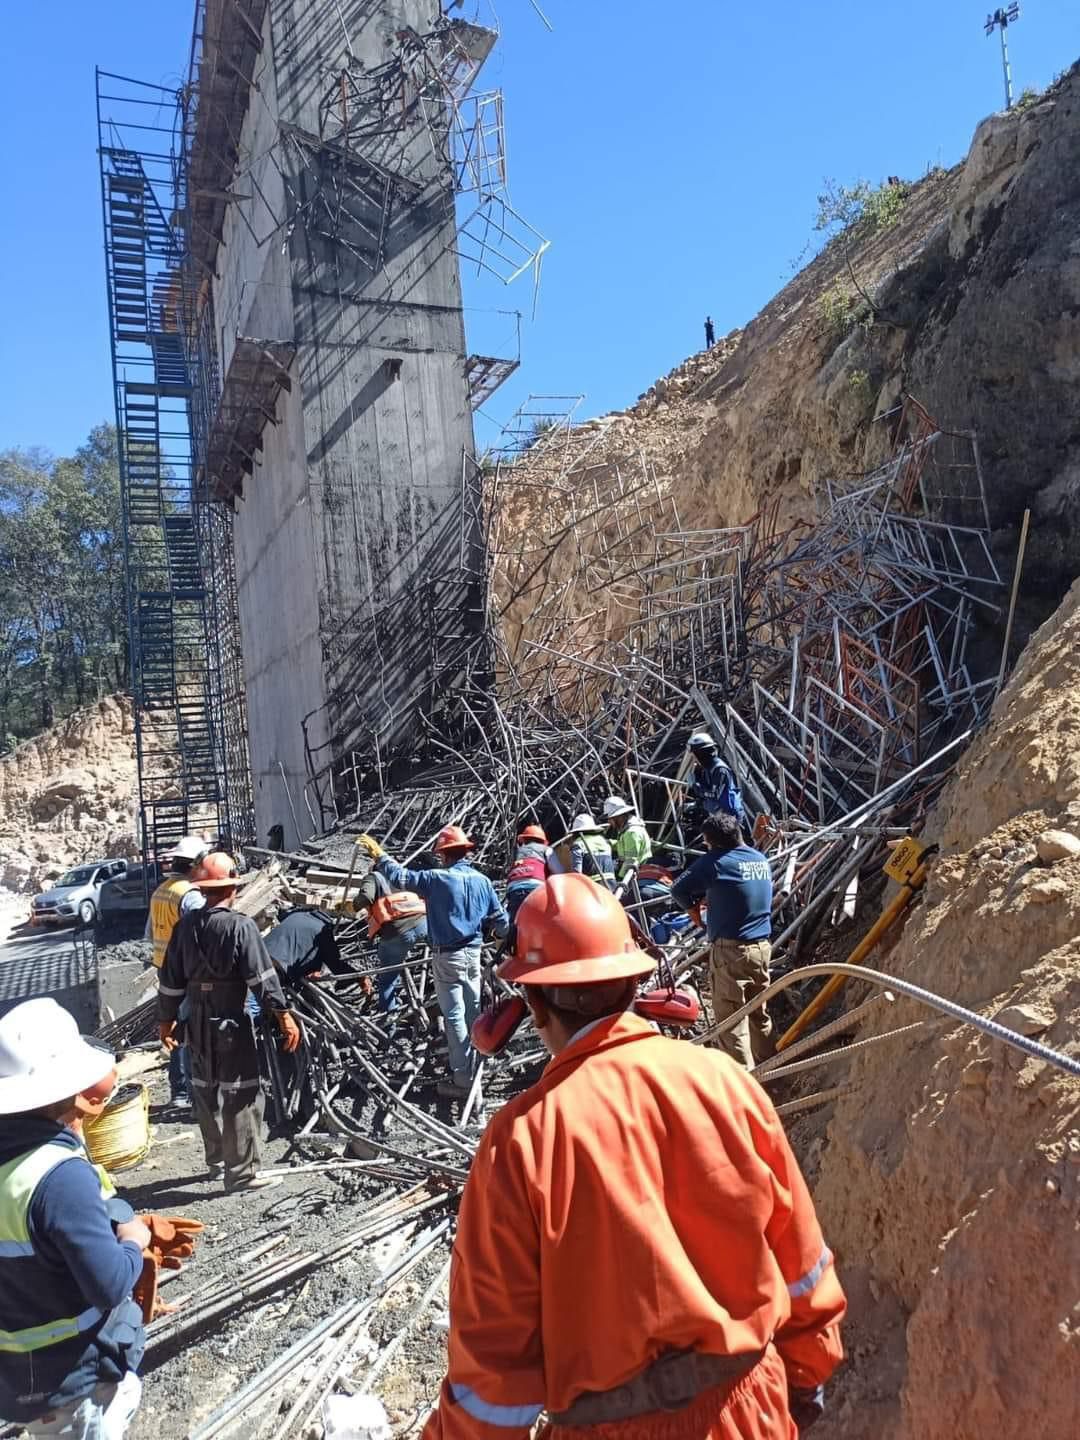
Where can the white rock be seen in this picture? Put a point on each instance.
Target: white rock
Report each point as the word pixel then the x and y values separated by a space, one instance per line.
pixel 1054 845
pixel 355 1417
pixel 1025 1019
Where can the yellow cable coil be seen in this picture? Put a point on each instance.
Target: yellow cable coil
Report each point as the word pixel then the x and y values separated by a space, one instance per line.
pixel 120 1136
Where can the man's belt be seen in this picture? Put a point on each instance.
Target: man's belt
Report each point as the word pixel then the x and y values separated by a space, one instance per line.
pixel 670 1383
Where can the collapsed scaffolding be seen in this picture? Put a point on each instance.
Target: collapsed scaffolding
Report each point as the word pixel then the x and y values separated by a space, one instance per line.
pixel 833 660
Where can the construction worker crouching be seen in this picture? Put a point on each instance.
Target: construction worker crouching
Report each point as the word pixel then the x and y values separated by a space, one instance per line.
pixel 176 896
pixel 71 1336
pixel 631 843
pixel 214 958
pixel 735 881
pixel 396 921
pixel 584 851
pixel 529 869
pixel 636 1246
pixel 461 907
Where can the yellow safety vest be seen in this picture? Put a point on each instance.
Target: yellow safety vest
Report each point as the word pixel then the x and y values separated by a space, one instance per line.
pixel 19 1178
pixel 165 912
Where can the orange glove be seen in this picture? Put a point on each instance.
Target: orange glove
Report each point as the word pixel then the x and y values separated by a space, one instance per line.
pixel 145 1291
pixel 290 1031
pixel 695 916
pixel 167 1033
pixel 172 1239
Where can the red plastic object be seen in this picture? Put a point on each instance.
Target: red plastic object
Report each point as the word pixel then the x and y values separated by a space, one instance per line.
pixel 493 1030
pixel 669 1007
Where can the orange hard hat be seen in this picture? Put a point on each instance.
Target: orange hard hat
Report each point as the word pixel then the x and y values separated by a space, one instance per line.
pixel 452 837
pixel 216 872
pixel 533 832
pixel 572 932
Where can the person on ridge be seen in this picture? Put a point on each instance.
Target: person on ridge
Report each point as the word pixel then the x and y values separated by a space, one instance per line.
pixel 71 1336
pixel 630 840
pixel 461 907
pixel 529 868
pixel 735 881
pixel 710 333
pixel 214 958
pixel 176 896
pixel 636 1248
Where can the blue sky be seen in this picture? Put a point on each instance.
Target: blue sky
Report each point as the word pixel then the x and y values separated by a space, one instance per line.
pixel 671 153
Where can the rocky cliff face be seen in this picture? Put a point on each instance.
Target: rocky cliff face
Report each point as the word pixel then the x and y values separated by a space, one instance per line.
pixel 68 795
pixel 949 1180
pixel 969 300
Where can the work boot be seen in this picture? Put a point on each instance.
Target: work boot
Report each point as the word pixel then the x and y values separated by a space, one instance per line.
pixel 257 1182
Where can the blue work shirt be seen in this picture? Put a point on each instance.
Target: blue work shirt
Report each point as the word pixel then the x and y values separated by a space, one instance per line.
pixel 736 885
pixel 461 902
pixel 714 790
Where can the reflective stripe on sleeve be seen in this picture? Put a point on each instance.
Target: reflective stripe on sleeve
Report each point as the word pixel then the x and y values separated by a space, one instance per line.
pixel 9 1249
pixel 808 1282
pixel 513 1416
pixel 165 990
pixel 264 975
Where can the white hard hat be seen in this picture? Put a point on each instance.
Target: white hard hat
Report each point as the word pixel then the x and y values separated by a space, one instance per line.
pixel 43 1058
pixel 583 824
pixel 701 740
pixel 190 847
pixel 614 806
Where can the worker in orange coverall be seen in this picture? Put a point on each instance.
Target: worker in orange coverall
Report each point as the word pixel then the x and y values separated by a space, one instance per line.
pixel 637 1252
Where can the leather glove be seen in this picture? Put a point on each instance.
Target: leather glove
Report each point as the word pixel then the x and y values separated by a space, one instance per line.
pixel 290 1031
pixel 145 1291
pixel 806 1406
pixel 167 1034
pixel 370 846
pixel 696 916
pixel 172 1239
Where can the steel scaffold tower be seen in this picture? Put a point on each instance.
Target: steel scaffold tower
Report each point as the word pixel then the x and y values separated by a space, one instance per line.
pixel 176 655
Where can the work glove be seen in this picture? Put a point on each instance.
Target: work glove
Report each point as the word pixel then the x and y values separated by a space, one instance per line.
pixel 806 1406
pixel 370 846
pixel 290 1031
pixel 172 1238
pixel 696 916
pixel 167 1034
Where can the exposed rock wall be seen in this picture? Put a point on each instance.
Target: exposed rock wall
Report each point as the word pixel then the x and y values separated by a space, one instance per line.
pixel 69 795
pixel 976 296
pixel 949 1183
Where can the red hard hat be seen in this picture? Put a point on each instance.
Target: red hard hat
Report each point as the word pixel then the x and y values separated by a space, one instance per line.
pixel 571 932
pixel 533 832
pixel 216 872
pixel 452 837
pixel 493 1029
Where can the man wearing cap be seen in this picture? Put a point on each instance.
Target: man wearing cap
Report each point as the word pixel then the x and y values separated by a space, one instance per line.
pixel 214 958
pixel 71 1336
pixel 584 851
pixel 637 1253
pixel 714 789
pixel 176 896
pixel 630 839
pixel 461 907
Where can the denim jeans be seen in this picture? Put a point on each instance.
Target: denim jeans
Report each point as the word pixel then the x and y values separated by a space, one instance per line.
pixel 104 1414
pixel 393 951
pixel 516 895
pixel 457 985
pixel 180 1058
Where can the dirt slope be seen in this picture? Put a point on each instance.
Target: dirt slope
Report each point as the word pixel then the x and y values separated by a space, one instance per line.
pixel 950 1181
pixel 976 296
pixel 68 795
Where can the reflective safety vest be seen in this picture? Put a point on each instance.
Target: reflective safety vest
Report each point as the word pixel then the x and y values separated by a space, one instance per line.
pixel 19 1178
pixel 165 912
pixel 398 905
pixel 598 861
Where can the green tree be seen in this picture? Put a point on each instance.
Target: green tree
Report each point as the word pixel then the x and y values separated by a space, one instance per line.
pixel 63 631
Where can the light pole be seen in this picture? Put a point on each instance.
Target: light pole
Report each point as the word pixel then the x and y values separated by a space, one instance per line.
pixel 1001 19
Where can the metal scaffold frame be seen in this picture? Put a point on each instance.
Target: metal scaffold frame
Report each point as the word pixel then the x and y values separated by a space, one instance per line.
pixel 191 740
